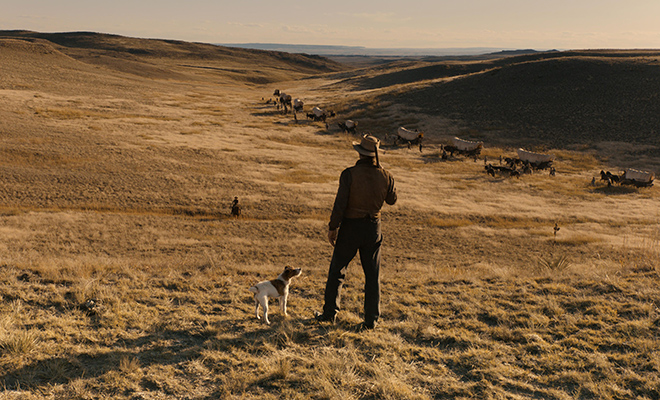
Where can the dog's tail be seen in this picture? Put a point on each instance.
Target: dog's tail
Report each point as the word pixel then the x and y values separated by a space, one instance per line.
pixel 253 289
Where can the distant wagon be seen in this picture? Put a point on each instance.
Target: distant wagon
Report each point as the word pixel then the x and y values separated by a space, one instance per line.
pixel 317 114
pixel 464 147
pixel 637 178
pixel 318 111
pixel 467 145
pixel 536 160
pixel 406 135
pixel 298 105
pixel 349 126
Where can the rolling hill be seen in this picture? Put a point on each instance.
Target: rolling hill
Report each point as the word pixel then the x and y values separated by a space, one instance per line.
pixel 169 59
pixel 607 101
pixel 557 101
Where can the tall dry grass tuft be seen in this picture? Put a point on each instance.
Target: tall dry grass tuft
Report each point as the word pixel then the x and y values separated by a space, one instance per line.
pixel 129 365
pixel 19 342
pixel 555 263
pixel 16 341
pixel 282 367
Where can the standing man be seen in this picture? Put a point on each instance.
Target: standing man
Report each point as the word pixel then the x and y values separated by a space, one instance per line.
pixel 355 225
pixel 235 208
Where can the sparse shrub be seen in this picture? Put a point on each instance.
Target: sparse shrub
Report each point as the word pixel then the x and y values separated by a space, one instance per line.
pixel 56 370
pixel 282 368
pixel 553 264
pixel 19 342
pixel 129 365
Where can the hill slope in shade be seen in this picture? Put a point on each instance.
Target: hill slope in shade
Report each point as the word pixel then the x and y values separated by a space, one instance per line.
pixel 559 99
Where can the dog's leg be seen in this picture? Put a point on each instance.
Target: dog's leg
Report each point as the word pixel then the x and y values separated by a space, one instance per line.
pixel 283 304
pixel 265 307
pixel 256 309
pixel 262 299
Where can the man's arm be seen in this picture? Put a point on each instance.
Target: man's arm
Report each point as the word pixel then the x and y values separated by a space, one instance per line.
pixel 341 200
pixel 391 192
pixel 332 236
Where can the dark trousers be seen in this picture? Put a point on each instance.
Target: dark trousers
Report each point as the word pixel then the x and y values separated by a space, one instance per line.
pixel 363 235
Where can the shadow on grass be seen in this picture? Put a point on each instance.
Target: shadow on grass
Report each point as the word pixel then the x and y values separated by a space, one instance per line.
pixel 292 122
pixel 170 347
pixel 614 190
pixel 163 347
pixel 431 158
pixel 269 113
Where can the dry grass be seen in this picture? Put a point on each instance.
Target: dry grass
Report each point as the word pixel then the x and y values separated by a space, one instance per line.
pixel 189 331
pixel 123 276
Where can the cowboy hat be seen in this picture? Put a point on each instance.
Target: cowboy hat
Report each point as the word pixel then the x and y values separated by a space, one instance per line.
pixel 368 146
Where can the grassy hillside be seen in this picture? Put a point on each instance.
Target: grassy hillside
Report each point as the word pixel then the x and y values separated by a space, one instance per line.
pixel 123 276
pixel 154 58
pixel 598 100
pixel 559 101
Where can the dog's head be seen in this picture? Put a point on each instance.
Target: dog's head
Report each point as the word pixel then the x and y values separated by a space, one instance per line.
pixel 291 272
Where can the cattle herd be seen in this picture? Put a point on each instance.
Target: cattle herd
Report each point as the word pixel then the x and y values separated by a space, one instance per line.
pixel 525 163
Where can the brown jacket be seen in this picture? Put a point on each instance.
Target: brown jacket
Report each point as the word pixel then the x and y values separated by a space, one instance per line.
pixel 362 191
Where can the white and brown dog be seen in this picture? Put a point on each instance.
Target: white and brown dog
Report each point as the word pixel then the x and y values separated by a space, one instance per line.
pixel 276 288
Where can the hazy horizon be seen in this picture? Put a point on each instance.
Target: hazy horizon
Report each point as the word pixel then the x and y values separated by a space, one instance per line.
pixel 332 50
pixel 508 24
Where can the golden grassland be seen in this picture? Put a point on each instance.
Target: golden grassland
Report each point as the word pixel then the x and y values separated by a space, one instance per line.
pixel 123 276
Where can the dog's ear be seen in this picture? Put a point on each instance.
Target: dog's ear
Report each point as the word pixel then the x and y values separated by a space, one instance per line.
pixel 287 268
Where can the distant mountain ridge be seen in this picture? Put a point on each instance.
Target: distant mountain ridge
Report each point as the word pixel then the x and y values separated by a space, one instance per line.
pixel 326 50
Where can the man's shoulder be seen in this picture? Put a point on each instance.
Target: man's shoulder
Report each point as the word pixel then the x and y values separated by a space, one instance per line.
pixel 365 171
pixel 368 167
pixel 360 167
pixel 386 172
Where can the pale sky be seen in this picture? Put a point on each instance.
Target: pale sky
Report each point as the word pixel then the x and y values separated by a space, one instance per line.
pixel 537 24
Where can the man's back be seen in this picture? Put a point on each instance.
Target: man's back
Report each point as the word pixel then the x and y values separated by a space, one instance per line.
pixel 370 187
pixel 362 191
